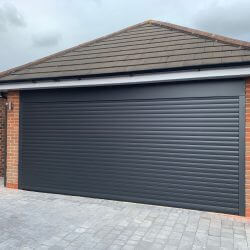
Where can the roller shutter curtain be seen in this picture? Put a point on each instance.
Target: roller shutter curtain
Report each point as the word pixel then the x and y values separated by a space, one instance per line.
pixel 168 144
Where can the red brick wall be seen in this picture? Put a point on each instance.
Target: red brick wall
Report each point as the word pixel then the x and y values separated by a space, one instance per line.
pixel 2 135
pixel 12 140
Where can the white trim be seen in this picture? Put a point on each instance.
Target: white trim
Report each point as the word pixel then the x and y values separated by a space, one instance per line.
pixel 134 79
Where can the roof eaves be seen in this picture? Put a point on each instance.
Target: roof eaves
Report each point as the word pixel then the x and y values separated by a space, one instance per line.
pixel 131 73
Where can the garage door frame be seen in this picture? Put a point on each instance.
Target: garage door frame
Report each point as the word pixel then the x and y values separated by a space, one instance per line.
pixel 242 107
pixel 227 88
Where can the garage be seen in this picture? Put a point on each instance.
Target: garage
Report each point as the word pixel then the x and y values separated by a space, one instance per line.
pixel 155 113
pixel 165 144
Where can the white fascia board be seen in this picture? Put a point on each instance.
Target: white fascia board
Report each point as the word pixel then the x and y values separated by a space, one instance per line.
pixel 220 73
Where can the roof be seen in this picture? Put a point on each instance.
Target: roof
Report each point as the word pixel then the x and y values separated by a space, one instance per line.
pixel 147 46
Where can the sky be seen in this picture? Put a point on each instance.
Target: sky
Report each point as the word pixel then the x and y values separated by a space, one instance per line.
pixel 31 29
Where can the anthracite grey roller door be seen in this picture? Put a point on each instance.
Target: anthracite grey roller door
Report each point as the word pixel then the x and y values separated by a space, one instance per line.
pixel 167 144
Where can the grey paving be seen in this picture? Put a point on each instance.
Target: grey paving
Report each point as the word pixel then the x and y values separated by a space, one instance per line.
pixel 32 220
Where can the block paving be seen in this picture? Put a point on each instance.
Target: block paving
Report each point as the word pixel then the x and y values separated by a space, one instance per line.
pixel 33 220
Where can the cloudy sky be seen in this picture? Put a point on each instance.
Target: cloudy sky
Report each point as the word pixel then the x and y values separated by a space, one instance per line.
pixel 31 29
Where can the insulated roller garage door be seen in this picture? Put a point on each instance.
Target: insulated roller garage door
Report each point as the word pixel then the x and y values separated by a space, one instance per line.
pixel 179 145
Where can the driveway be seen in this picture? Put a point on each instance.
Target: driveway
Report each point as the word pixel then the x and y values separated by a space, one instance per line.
pixel 31 220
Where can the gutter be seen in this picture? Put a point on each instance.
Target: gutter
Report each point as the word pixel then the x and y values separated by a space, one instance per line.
pixel 205 74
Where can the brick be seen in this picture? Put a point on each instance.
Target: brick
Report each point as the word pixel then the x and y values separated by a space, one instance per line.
pixel 12 185
pixel 12 140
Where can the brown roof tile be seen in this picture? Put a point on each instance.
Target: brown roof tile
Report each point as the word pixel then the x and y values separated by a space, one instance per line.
pixel 145 46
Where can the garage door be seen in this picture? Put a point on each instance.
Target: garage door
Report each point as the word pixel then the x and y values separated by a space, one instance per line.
pixel 178 145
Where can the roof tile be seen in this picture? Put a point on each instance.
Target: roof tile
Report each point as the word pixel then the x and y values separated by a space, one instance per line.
pixel 146 46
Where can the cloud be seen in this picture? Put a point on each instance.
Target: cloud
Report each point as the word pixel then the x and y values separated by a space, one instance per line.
pixel 97 1
pixel 10 17
pixel 230 18
pixel 46 40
